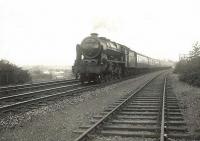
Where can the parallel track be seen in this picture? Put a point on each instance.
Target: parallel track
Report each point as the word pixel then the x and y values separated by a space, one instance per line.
pixel 149 112
pixel 40 101
pixel 16 102
pixel 9 90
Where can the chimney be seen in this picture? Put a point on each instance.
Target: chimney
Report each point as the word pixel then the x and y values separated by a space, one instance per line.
pixel 94 34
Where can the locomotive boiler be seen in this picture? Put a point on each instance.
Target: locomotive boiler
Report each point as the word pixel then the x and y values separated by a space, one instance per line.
pixel 98 58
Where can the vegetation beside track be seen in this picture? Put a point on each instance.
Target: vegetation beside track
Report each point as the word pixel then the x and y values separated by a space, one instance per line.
pixel 12 74
pixel 189 68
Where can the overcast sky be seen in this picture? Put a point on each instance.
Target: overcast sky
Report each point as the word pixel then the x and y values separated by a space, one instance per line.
pixel 46 32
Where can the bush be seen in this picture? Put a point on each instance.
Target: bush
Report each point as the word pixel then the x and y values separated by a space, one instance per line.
pixel 189 71
pixel 180 66
pixel 11 74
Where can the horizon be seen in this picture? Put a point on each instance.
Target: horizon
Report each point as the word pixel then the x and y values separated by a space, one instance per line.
pixel 46 33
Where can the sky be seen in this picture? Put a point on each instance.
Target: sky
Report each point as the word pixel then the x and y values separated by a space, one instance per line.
pixel 45 32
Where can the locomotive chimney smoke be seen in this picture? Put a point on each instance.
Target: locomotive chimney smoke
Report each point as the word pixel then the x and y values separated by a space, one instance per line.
pixel 94 34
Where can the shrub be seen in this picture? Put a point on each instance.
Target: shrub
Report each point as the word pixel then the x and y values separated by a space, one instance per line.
pixel 180 66
pixel 189 71
pixel 11 74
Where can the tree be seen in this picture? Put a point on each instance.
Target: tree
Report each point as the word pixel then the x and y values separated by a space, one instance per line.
pixel 196 50
pixel 189 69
pixel 11 74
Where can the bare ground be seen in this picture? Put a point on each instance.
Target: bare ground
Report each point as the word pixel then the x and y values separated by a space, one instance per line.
pixel 59 120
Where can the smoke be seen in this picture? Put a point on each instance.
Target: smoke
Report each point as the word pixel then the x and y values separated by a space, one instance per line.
pixel 105 25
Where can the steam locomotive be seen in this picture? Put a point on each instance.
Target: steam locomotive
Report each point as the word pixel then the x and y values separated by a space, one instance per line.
pixel 98 58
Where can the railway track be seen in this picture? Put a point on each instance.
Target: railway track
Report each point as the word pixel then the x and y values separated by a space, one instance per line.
pixel 29 100
pixel 9 90
pixel 149 112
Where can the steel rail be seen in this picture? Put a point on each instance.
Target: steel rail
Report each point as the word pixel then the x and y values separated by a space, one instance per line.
pixel 33 85
pixel 36 92
pixel 69 92
pixel 162 132
pixel 98 124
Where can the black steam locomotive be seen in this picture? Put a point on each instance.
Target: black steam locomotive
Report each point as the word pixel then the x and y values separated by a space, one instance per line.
pixel 99 58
